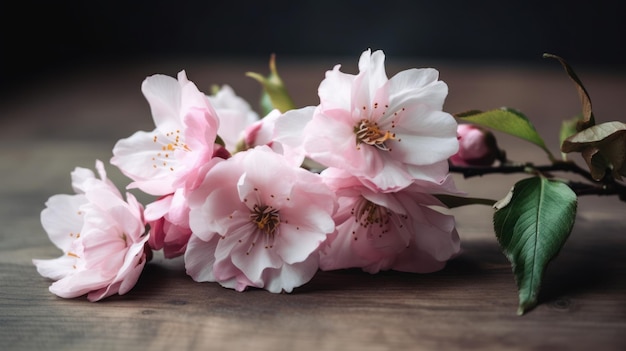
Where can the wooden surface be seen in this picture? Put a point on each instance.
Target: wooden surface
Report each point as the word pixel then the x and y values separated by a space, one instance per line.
pixel 72 118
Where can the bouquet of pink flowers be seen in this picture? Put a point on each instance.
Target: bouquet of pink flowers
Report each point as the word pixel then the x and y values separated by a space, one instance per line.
pixel 357 181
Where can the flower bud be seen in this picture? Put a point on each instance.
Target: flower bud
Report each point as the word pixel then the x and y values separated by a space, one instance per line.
pixel 477 146
pixel 275 95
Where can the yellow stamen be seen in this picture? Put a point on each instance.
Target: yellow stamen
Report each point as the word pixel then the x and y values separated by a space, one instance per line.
pixel 369 132
pixel 266 218
pixel 368 213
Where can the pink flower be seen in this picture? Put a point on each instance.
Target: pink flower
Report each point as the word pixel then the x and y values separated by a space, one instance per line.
pixel 390 131
pixel 258 221
pixel 477 147
pixel 168 218
pixel 175 154
pixel 235 116
pixel 101 236
pixel 283 134
pixel 379 231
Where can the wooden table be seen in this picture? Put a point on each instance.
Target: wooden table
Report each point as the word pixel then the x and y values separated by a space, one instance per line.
pixel 72 118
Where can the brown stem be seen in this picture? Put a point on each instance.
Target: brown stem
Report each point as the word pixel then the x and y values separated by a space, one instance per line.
pixel 607 186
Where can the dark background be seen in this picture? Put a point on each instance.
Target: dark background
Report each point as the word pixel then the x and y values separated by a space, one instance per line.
pixel 44 38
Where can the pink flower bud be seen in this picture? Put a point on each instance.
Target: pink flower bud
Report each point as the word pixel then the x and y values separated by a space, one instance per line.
pixel 477 146
pixel 251 132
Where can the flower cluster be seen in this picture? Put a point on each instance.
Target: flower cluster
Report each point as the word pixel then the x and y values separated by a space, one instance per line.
pixel 266 202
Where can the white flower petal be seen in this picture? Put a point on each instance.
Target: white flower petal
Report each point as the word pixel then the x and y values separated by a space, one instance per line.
pixel 335 90
pixel 142 159
pixel 57 268
pixel 200 257
pixel 295 244
pixel 289 277
pixel 163 93
pixel 417 86
pixel 427 138
pixel 62 219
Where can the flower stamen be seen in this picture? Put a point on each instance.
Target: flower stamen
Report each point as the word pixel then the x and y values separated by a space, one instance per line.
pixel 374 218
pixel 369 132
pixel 172 143
pixel 266 218
pixel 368 213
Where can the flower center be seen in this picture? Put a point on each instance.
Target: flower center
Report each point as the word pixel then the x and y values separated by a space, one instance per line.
pixel 369 132
pixel 164 157
pixel 266 218
pixel 368 213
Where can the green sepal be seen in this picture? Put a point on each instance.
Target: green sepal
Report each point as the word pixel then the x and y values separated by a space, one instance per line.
pixel 274 95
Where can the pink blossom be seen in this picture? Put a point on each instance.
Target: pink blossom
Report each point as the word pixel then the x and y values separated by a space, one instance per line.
pixel 258 221
pixel 379 231
pixel 174 154
pixel 168 218
pixel 477 147
pixel 391 131
pixel 283 134
pixel 235 115
pixel 101 236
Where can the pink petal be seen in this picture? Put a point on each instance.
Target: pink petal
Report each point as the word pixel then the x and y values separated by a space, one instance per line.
pixel 163 93
pixel 158 208
pixel 433 133
pixel 289 131
pixel 254 261
pixel 370 79
pixel 62 219
pixel 200 258
pixel 78 284
pixel 290 276
pixel 417 87
pixel 140 158
pixel 295 244
pixel 334 90
pixel 235 115
pixel 57 268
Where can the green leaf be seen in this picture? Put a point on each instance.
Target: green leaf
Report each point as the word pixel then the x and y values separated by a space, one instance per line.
pixel 275 95
pixel 508 121
pixel 452 201
pixel 532 223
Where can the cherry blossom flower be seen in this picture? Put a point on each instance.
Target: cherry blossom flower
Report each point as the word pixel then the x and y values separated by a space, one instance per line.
pixel 258 221
pixel 235 115
pixel 390 131
pixel 174 154
pixel 283 133
pixel 379 231
pixel 101 236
